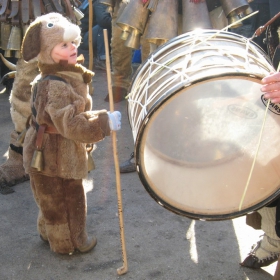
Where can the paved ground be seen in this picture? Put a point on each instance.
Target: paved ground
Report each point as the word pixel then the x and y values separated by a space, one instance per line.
pixel 159 244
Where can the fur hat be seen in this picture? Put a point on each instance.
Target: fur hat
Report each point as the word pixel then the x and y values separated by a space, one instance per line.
pixel 45 33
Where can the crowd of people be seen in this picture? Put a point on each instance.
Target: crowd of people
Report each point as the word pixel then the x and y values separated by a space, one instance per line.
pixel 60 57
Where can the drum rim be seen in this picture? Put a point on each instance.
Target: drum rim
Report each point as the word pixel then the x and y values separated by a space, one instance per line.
pixel 211 217
pixel 178 39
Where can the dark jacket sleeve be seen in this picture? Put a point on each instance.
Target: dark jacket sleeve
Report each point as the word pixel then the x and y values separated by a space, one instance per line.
pixel 102 18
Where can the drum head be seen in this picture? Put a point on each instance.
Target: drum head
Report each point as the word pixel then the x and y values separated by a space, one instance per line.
pixel 195 149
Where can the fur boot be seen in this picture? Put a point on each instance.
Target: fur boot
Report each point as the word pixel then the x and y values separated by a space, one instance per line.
pixel 62 213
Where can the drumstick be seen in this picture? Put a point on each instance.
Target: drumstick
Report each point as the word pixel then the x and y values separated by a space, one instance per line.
pixel 258 147
pixel 124 268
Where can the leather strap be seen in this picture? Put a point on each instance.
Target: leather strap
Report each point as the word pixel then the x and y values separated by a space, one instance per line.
pixel 14 8
pixel 25 11
pixel 4 5
pixel 48 129
pixel 40 137
pixel 57 6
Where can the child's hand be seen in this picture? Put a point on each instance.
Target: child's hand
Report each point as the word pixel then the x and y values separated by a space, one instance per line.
pixel 115 120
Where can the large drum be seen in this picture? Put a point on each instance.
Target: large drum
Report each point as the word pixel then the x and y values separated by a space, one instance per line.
pixel 197 112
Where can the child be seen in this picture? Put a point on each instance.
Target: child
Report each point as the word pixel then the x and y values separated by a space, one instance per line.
pixel 62 125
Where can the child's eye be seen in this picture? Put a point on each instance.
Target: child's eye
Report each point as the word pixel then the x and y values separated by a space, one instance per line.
pixel 64 45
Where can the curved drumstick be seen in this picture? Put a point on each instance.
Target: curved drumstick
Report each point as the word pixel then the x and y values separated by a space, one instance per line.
pixel 124 268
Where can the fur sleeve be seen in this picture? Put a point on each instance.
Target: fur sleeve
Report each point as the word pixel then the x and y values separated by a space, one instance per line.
pixel 66 110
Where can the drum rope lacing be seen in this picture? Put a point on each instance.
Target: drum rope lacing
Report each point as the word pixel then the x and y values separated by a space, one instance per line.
pixel 182 72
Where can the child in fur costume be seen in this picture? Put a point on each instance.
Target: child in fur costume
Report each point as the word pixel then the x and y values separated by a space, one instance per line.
pixel 62 125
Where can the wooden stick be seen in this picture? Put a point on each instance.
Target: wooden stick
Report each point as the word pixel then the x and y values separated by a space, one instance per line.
pixel 124 268
pixel 90 46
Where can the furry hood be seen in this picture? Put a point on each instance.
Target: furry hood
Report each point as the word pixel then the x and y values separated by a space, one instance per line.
pixel 45 33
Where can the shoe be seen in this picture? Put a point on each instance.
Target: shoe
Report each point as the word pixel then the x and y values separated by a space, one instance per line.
pixel 119 94
pixel 255 263
pixel 129 165
pixel 90 244
pixel 264 253
pixel 100 64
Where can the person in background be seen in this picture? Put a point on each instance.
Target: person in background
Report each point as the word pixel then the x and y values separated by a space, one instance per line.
pixel 101 20
pixel 267 250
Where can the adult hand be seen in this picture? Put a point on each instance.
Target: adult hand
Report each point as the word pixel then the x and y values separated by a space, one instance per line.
pixel 115 120
pixel 271 87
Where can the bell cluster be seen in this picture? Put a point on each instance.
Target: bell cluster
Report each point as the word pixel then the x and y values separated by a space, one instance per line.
pixel 161 20
pixel 16 16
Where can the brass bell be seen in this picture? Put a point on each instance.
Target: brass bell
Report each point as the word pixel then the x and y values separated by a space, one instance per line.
pixel 133 40
pixel 234 6
pixel 8 53
pixel 15 39
pixel 133 19
pixel 17 54
pixel 5 34
pixel 166 12
pixel 195 16
pixel 232 19
pixel 91 165
pixel 37 160
pixel 125 34
pixel 78 14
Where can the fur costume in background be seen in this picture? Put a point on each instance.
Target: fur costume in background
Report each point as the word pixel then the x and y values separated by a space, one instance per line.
pixel 12 171
pixel 63 108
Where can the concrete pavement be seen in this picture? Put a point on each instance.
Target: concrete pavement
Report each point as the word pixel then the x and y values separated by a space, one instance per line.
pixel 159 244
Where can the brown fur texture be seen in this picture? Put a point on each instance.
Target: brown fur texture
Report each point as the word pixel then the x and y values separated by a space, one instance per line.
pixel 62 215
pixel 12 171
pixel 64 105
pixel 46 32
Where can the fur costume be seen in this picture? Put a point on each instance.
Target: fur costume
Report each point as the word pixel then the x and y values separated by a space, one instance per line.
pixel 12 171
pixel 63 108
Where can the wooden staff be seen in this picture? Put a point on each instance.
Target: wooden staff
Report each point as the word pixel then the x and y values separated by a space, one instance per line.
pixel 90 47
pixel 124 268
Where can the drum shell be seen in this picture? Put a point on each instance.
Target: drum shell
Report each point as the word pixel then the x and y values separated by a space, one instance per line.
pixel 155 98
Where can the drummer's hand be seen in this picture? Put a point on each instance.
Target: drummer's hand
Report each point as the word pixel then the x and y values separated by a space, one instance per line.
pixel 271 87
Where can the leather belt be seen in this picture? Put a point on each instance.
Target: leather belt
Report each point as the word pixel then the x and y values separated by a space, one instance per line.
pixel 47 128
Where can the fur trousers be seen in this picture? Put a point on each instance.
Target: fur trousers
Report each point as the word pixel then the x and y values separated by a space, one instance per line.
pixel 62 212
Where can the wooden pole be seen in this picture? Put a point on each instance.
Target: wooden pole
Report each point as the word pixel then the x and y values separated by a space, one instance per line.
pixel 90 46
pixel 124 268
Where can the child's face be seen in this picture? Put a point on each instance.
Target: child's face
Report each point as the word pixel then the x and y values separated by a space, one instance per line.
pixel 65 51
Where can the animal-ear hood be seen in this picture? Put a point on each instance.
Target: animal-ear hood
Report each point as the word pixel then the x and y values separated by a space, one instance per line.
pixel 45 33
